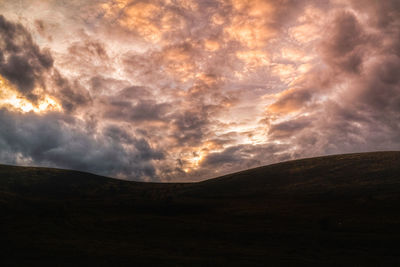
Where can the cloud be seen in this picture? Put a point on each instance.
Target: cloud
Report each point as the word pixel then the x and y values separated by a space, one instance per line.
pixel 145 110
pixel 345 43
pixel 241 157
pixel 355 107
pixel 286 129
pixel 291 100
pixel 71 94
pixel 60 141
pixel 22 62
pixel 185 90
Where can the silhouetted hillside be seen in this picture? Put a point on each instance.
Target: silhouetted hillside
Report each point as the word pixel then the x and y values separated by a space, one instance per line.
pixel 338 210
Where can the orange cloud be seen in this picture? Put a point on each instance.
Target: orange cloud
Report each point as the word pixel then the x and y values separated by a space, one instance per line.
pixel 289 101
pixel 249 24
pixel 140 17
pixel 178 62
pixel 211 45
pixel 254 58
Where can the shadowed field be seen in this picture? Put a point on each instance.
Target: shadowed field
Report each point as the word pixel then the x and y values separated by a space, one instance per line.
pixel 341 210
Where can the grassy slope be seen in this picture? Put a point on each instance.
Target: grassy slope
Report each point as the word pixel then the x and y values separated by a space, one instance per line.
pixel 336 210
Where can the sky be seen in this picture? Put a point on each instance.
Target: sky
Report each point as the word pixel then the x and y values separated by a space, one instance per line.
pixel 184 90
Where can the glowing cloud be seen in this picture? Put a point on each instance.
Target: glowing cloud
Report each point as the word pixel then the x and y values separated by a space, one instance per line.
pixel 11 98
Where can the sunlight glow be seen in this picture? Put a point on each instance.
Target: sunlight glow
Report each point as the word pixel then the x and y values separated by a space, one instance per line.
pixel 10 98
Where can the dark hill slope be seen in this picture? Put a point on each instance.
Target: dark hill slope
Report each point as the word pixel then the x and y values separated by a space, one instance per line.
pixel 339 210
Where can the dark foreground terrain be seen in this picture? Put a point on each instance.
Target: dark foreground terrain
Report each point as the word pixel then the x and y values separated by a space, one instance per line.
pixel 331 211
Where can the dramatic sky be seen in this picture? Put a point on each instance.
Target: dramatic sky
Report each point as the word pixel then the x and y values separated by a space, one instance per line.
pixel 182 90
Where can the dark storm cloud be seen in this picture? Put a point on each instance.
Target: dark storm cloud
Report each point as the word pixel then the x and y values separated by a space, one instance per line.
pixel 143 111
pixel 57 140
pixel 229 155
pixel 190 127
pixel 60 139
pixel 71 94
pixel 119 135
pixel 134 104
pixel 287 128
pixel 242 157
pixel 345 42
pixel 22 62
pixel 25 65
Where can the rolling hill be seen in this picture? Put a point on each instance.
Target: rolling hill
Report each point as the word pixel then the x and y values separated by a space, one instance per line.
pixel 341 210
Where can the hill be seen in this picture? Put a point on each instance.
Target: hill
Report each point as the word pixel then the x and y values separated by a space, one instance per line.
pixel 340 210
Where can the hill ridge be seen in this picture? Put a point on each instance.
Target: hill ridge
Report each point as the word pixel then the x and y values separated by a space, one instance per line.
pixel 338 210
